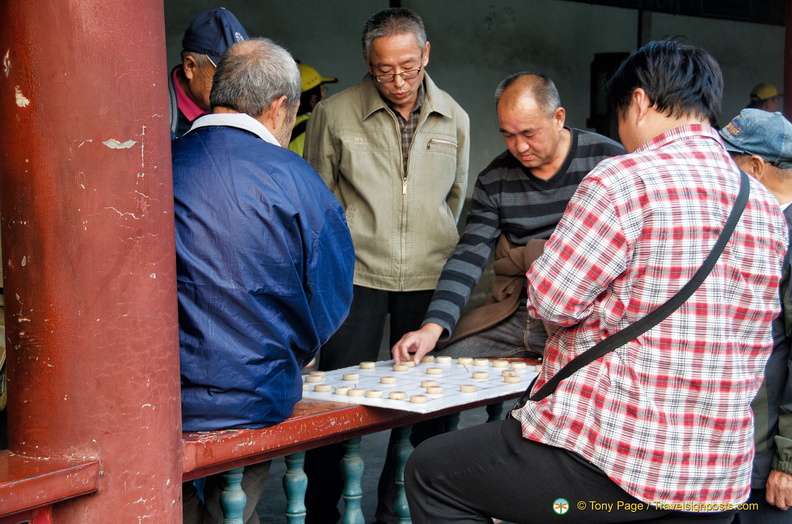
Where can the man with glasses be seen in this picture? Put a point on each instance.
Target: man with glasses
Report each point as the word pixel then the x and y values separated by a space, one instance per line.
pixel 189 84
pixel 394 150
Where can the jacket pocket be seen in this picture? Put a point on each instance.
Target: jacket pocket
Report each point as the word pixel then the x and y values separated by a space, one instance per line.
pixel 442 145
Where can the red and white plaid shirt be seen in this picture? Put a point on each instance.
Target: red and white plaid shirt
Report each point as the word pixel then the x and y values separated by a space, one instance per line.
pixel 666 416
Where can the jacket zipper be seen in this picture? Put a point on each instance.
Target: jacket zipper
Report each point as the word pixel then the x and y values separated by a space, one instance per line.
pixel 439 141
pixel 421 123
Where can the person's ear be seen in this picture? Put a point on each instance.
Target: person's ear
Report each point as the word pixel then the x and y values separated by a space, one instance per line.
pixel 755 166
pixel 559 117
pixel 642 103
pixel 279 111
pixel 190 66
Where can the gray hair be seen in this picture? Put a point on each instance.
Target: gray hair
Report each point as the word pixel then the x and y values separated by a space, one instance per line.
pixel 393 21
pixel 542 88
pixel 252 74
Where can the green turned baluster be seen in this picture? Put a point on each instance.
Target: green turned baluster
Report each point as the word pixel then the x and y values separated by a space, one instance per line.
pixel 295 482
pixel 495 411
pixel 352 470
pixel 403 449
pixel 233 499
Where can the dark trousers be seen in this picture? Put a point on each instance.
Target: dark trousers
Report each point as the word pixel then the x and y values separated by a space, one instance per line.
pixel 357 340
pixel 491 471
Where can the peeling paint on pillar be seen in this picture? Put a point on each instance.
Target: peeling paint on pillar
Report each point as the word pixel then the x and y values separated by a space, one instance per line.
pixel 87 218
pixel 21 100
pixel 115 144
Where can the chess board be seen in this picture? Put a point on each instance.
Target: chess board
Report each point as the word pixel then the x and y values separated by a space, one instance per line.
pixel 408 387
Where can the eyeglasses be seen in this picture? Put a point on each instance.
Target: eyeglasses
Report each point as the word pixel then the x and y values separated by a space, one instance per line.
pixel 405 75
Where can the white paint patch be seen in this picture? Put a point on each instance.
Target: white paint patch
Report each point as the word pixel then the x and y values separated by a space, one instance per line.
pixel 153 275
pixel 24 261
pixel 123 214
pixel 142 147
pixel 21 100
pixel 7 63
pixel 115 144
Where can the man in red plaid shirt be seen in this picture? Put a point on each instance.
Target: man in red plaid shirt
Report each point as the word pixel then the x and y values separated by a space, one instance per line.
pixel 660 428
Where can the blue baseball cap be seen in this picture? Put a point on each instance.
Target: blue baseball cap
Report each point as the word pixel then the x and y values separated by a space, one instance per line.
pixel 761 133
pixel 212 32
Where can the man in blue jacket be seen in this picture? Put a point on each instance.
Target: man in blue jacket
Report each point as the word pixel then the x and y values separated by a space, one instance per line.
pixel 264 258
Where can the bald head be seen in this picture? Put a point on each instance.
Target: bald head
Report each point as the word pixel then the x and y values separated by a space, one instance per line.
pixel 531 85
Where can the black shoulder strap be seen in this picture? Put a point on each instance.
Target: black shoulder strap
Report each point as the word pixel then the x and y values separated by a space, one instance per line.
pixel 658 315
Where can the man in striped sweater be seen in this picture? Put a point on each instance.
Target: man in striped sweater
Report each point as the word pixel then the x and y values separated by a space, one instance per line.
pixel 517 202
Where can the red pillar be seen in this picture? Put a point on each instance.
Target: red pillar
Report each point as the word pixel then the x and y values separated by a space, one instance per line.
pixel 87 232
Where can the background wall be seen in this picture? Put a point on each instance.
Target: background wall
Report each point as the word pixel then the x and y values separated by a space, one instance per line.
pixel 476 43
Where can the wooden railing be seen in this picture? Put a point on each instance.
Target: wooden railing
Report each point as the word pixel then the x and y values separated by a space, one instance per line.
pixel 30 486
pixel 314 423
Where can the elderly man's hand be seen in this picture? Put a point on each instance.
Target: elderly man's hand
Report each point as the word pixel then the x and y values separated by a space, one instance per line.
pixel 779 489
pixel 419 343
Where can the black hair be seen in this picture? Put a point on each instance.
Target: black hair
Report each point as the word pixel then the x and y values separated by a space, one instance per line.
pixel 679 80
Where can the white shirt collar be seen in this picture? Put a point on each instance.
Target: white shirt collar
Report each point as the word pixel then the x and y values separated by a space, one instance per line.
pixel 239 121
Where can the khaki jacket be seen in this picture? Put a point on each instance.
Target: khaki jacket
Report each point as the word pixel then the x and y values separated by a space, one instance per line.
pixel 511 264
pixel 403 224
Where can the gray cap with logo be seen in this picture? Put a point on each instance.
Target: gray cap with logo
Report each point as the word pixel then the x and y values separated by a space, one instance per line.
pixel 761 133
